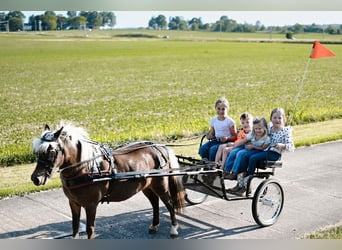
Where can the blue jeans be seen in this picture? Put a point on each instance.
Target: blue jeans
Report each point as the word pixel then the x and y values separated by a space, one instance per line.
pixel 208 150
pixel 228 165
pixel 261 156
pixel 242 159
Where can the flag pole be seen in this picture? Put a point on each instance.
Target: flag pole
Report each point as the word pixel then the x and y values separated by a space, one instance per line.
pixel 299 91
pixel 317 51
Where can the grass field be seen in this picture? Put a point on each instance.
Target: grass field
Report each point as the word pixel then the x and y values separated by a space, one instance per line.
pixel 128 88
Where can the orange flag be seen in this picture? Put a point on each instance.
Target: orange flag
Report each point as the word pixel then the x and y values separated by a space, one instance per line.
pixel 319 51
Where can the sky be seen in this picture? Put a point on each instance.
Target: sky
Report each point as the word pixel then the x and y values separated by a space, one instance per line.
pixel 135 19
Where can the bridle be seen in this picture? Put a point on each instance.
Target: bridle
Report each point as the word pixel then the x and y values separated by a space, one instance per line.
pixel 49 164
pixel 50 161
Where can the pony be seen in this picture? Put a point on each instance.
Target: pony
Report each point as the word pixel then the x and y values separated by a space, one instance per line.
pixel 91 173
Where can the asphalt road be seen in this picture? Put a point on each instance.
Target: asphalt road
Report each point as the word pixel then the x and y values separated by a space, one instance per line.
pixel 311 178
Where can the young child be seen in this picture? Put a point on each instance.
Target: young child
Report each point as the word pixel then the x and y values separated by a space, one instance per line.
pixel 222 130
pixel 223 151
pixel 255 141
pixel 281 140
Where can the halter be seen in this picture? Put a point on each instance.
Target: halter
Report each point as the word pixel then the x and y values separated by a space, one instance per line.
pixel 48 165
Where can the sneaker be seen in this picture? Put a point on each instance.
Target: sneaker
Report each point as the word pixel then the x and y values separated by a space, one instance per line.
pixel 219 164
pixel 234 189
pixel 232 176
pixel 243 192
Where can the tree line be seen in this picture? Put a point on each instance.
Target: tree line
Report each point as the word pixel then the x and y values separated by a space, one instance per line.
pixel 225 24
pixel 50 21
pixel 96 19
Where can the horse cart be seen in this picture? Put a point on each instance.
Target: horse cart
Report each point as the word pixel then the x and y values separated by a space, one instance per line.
pixel 91 174
pixel 202 178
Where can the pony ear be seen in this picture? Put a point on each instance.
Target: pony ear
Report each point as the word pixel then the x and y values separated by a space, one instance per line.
pixel 57 133
pixel 47 128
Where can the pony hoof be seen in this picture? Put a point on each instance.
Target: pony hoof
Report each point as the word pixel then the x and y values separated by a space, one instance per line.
pixel 174 236
pixel 153 229
pixel 174 232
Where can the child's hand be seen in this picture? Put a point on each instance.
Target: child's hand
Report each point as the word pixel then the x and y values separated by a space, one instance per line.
pixel 249 146
pixel 210 136
pixel 223 139
pixel 280 146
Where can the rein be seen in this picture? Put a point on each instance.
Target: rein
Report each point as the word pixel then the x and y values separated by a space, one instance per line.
pixel 79 163
pixel 88 160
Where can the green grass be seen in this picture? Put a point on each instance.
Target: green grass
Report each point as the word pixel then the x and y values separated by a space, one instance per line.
pixel 329 233
pixel 124 88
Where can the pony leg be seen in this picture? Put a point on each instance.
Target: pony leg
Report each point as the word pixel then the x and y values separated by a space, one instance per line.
pixel 154 200
pixel 76 214
pixel 165 196
pixel 90 215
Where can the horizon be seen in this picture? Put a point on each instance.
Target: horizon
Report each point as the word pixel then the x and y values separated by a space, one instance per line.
pixel 138 19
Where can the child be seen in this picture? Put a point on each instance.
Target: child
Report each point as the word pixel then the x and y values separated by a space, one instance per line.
pixel 222 130
pixel 255 141
pixel 223 151
pixel 281 140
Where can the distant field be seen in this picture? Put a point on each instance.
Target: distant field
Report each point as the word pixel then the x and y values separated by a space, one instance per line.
pixel 133 87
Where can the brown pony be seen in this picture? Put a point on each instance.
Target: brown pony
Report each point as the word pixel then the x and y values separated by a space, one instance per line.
pixel 91 173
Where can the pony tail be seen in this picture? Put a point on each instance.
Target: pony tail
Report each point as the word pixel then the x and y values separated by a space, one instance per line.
pixel 177 190
pixel 177 193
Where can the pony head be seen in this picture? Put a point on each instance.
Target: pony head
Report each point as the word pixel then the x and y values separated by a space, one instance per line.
pixel 48 150
pixel 58 149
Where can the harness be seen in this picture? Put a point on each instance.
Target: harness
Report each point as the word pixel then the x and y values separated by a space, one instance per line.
pixel 94 172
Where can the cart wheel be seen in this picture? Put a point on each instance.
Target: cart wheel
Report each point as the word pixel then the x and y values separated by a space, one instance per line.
pixel 194 197
pixel 267 202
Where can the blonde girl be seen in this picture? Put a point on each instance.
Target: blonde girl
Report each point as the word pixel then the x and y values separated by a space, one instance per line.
pixel 281 140
pixel 222 130
pixel 256 141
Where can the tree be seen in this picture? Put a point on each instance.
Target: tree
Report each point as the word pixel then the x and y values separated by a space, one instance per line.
pixel 93 18
pixel 61 22
pixel 71 13
pixel 331 30
pixel 177 23
pixel 195 23
pixel 224 25
pixel 77 21
pixel 2 16
pixel 49 21
pixel 297 28
pixel 158 22
pixel 108 18
pixel 161 22
pixel 153 23
pixel 258 25
pixel 15 20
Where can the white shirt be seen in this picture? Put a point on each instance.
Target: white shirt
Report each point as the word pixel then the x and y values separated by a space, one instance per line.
pixel 222 128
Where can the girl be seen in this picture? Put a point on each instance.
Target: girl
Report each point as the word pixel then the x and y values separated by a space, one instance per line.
pixel 281 140
pixel 222 130
pixel 255 141
pixel 223 151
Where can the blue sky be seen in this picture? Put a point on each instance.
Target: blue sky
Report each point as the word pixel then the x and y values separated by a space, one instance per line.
pixel 133 19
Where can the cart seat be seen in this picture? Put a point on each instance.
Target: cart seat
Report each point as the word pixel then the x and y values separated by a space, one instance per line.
pixel 269 164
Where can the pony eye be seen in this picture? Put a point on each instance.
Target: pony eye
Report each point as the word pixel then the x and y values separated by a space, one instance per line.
pixel 52 155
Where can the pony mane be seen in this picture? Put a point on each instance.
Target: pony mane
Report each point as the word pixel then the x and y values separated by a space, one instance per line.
pixel 73 133
pixel 74 136
pixel 71 136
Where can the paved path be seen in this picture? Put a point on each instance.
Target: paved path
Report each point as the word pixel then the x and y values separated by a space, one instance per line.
pixel 311 178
